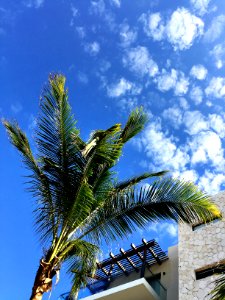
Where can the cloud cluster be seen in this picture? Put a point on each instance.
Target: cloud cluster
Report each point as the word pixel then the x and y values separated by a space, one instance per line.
pixel 202 146
pixel 216 87
pixel 199 72
pixel 122 87
pixel 140 62
pixel 180 30
pixel 175 80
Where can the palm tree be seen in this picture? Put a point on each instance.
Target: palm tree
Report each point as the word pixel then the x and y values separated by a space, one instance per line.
pixel 79 202
pixel 218 293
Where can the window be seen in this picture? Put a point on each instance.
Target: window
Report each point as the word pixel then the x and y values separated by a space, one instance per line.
pixel 217 268
pixel 200 225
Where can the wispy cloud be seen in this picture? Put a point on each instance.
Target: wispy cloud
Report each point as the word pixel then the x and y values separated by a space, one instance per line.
pixel 97 7
pixel 127 35
pixel 80 31
pixel 215 29
pixel 116 3
pixel 218 55
pixel 196 94
pixel 34 3
pixel 74 12
pixel 200 6
pixel 92 48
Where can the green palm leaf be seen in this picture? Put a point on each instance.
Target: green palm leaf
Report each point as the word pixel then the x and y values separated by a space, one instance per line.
pixel 218 293
pixel 79 202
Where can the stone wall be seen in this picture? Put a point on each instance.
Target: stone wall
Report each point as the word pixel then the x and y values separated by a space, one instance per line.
pixel 198 249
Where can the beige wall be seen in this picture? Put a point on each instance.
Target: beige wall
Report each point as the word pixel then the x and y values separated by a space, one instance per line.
pixel 197 249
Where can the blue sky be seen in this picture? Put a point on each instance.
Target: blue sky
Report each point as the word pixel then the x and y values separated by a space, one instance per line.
pixel 168 56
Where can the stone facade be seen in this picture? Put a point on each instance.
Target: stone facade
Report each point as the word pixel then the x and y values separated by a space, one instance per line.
pixel 198 249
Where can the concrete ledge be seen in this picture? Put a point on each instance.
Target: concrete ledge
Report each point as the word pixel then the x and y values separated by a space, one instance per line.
pixel 137 289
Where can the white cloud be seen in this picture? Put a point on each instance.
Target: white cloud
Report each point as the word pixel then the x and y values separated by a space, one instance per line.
pixel 183 28
pixel 206 147
pixel 196 95
pixel 128 104
pixel 218 54
pixel 173 80
pixel 34 3
pixel 181 86
pixel 162 149
pixel 81 31
pixel 183 103
pixel 105 66
pixel 216 87
pixel 174 115
pixel 195 122
pixel 127 36
pixel 211 182
pixel 92 48
pixel 200 6
pixel 187 175
pixel 215 30
pixel 116 3
pixel 97 7
pixel 164 228
pixel 167 81
pixel 153 25
pixel 217 124
pixel 74 11
pixel 122 87
pixel 199 72
pixel 139 61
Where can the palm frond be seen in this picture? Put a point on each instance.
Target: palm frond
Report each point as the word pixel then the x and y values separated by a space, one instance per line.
pixel 39 184
pixel 218 293
pixel 135 123
pixel 81 260
pixel 137 179
pixel 164 199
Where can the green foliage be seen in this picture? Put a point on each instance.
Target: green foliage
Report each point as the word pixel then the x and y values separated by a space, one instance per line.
pixel 78 200
pixel 218 292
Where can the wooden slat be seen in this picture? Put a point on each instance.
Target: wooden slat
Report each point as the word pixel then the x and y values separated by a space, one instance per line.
pixel 129 260
pixel 152 252
pixel 118 263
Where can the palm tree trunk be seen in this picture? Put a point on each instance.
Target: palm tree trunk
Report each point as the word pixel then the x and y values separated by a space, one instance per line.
pixel 42 281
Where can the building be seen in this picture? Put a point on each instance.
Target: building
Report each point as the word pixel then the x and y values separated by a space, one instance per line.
pixel 146 272
pixel 201 251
